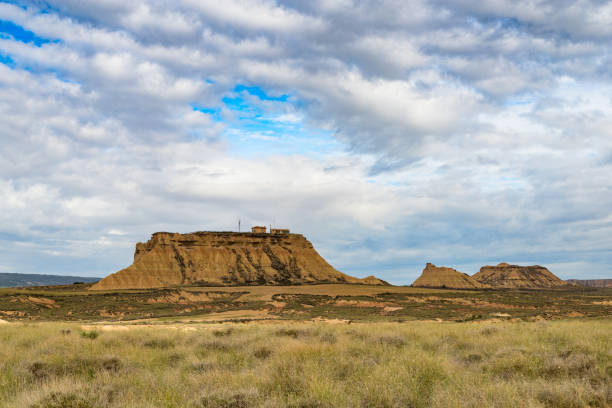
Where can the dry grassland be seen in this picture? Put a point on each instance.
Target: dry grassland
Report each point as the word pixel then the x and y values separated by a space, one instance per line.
pixel 562 363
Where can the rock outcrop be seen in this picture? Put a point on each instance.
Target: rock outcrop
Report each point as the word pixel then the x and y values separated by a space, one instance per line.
pixel 518 277
pixel 592 283
pixel 373 280
pixel 442 277
pixel 225 258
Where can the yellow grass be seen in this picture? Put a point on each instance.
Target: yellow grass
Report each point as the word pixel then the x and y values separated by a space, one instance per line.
pixel 417 364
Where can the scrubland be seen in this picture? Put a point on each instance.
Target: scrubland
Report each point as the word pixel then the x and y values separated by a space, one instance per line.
pixel 362 303
pixel 561 363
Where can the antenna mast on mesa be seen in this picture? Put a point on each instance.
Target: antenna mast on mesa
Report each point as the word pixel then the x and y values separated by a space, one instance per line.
pixel 238 224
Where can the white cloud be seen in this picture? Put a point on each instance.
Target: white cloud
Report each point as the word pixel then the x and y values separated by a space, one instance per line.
pixel 470 132
pixel 148 20
pixel 262 15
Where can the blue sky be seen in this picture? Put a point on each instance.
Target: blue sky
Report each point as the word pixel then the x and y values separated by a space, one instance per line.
pixel 10 30
pixel 278 128
pixel 390 134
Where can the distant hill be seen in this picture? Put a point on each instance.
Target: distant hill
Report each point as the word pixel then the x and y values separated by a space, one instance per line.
pixel 9 280
pixel 593 283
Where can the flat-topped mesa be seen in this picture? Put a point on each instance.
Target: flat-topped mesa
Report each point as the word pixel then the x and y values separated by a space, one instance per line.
pixel 443 277
pixel 225 258
pixel 509 276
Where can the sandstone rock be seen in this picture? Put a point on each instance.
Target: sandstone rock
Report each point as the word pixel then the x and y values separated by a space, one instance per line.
pixel 514 276
pixel 373 280
pixel 592 283
pixel 225 258
pixel 442 277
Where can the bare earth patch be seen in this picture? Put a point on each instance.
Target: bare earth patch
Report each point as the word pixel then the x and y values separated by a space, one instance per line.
pixel 126 327
pixel 233 315
pixel 182 297
pixel 277 305
pixel 40 301
pixel 359 303
pixel 501 315
pixel 332 321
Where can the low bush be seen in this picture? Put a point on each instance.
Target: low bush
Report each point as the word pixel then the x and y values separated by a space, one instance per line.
pixel 92 335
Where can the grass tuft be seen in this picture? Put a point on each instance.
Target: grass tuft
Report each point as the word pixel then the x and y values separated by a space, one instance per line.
pixel 329 338
pixel 290 333
pixel 161 344
pixel 262 353
pixel 39 370
pixel 473 358
pixel 63 400
pixel 394 341
pixel 92 335
pixel 487 331
pixel 223 333
pixel 233 401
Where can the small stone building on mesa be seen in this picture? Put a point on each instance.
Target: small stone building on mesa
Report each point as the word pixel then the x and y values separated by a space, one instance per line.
pixel 274 231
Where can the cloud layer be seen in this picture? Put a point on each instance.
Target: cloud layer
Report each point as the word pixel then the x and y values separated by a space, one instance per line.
pixel 391 133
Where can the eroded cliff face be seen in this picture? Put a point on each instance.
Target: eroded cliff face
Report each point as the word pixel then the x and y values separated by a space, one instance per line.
pixel 592 283
pixel 442 277
pixel 508 276
pixel 225 258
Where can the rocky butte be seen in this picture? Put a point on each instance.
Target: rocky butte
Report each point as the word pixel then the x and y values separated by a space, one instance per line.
pixel 508 276
pixel 442 277
pixel 226 258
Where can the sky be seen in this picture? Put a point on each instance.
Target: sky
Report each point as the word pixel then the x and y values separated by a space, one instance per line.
pixel 389 133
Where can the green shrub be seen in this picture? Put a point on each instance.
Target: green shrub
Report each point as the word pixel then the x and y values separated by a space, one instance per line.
pixel 90 334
